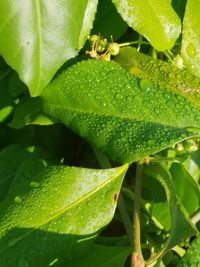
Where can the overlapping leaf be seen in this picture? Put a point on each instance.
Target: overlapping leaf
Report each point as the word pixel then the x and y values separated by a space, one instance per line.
pixel 125 117
pixel 155 20
pixel 181 226
pixel 57 208
pixel 190 48
pixel 37 37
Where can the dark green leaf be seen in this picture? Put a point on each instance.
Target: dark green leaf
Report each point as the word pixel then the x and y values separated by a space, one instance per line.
pixel 187 189
pixel 102 256
pixel 108 22
pixel 123 116
pixel 37 37
pixel 181 225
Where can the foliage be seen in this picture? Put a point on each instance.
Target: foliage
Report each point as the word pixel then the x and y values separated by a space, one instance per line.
pixel 84 140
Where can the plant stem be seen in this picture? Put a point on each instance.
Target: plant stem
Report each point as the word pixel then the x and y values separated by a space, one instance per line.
pixel 137 258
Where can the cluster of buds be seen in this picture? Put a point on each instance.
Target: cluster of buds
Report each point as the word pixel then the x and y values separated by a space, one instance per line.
pixel 101 48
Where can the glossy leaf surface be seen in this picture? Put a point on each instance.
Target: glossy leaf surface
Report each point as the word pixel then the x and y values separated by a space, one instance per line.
pixel 37 37
pixel 57 208
pixel 165 23
pixel 190 49
pixel 123 116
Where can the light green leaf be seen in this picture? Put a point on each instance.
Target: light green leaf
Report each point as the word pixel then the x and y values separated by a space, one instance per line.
pixel 155 20
pixel 60 209
pixel 123 116
pixel 37 37
pixel 102 256
pixel 181 226
pixel 190 48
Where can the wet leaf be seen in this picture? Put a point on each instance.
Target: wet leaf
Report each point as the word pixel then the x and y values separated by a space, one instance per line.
pixel 155 20
pixel 125 117
pixel 60 209
pixel 190 48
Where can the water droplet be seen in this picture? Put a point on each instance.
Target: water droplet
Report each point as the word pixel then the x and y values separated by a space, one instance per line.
pixel 150 142
pixel 118 96
pixel 18 200
pixel 146 85
pixel 191 50
pixel 34 184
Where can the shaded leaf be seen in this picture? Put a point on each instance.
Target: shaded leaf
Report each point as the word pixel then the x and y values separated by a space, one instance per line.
pixel 187 189
pixel 165 23
pixel 57 208
pixel 29 112
pixel 181 226
pixel 108 22
pixel 190 48
pixel 37 37
pixel 102 256
pixel 123 116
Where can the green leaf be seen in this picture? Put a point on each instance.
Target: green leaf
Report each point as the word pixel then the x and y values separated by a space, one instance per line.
pixel 181 225
pixel 108 22
pixel 123 116
pixel 60 209
pixel 161 73
pixel 29 112
pixel 190 48
pixel 37 37
pixel 102 256
pixel 187 189
pixel 192 256
pixel 155 20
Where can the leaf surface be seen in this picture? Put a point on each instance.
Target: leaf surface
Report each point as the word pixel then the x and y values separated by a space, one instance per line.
pixel 37 37
pixel 165 23
pixel 57 208
pixel 190 47
pixel 123 116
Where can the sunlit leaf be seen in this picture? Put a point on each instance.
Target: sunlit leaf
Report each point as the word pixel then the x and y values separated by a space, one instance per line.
pixel 37 37
pixel 190 49
pixel 57 208
pixel 155 20
pixel 123 116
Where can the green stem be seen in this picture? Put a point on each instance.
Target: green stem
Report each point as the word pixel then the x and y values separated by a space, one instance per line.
pixel 137 258
pixel 132 43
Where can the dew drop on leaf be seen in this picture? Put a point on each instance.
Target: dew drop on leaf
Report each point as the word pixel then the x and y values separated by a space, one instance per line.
pixel 34 184
pixel 191 50
pixel 18 200
pixel 146 85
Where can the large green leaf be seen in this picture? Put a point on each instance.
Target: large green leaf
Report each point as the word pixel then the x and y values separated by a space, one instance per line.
pixel 181 226
pixel 125 117
pixel 37 37
pixel 190 49
pixel 155 20
pixel 57 208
